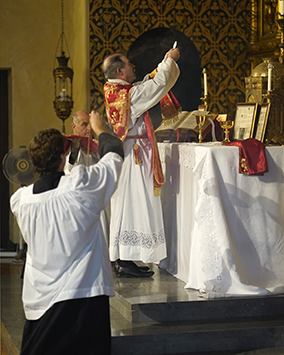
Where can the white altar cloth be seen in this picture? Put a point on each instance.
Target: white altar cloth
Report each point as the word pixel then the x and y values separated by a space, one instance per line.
pixel 224 230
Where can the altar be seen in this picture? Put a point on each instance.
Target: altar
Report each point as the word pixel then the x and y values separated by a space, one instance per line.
pixel 224 230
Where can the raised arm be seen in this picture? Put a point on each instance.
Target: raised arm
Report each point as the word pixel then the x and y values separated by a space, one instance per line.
pixel 107 141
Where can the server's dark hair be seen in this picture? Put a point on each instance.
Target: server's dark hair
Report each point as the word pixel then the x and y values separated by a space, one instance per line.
pixel 45 150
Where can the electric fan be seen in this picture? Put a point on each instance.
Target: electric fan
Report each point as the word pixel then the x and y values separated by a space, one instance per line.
pixel 18 170
pixel 17 167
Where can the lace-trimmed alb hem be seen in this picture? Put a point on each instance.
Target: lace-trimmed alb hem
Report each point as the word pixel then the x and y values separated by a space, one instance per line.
pixel 135 238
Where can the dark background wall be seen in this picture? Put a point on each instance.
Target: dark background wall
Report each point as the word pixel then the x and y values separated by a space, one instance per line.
pixel 149 49
pixel 212 34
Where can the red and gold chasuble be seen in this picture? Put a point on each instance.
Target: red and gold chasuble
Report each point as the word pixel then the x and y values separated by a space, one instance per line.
pixel 117 102
pixel 170 107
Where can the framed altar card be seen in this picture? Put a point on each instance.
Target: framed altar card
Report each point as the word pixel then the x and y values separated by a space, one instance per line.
pixel 244 121
pixel 262 122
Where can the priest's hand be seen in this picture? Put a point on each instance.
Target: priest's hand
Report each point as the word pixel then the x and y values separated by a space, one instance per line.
pixel 173 53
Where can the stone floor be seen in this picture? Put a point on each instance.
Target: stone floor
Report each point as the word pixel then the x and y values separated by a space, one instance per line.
pixel 162 288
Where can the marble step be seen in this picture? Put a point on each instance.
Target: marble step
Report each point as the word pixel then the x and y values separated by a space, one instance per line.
pixel 186 338
pixel 163 298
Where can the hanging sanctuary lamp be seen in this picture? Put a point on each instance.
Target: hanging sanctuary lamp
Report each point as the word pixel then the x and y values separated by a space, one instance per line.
pixel 63 75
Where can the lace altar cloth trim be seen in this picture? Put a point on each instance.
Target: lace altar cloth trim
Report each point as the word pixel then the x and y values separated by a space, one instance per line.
pixel 180 154
pixel 134 238
pixel 199 159
pixel 212 261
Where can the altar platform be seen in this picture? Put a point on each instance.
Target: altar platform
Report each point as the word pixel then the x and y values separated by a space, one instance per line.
pixel 158 316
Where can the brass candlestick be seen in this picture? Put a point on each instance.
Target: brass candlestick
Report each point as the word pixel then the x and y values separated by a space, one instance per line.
pixel 268 97
pixel 205 101
pixel 200 120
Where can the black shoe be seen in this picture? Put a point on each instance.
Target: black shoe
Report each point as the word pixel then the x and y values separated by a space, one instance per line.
pixel 131 270
pixel 124 263
pixel 144 268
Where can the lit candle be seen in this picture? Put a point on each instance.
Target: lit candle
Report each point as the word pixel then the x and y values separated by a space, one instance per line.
pixel 205 81
pixel 281 7
pixel 63 95
pixel 269 77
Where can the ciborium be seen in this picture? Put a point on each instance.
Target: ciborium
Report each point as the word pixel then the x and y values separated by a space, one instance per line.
pixel 227 126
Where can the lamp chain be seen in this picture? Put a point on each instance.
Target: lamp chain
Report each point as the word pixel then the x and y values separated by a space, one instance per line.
pixel 62 25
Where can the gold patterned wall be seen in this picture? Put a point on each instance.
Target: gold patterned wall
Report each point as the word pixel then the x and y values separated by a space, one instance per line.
pixel 220 30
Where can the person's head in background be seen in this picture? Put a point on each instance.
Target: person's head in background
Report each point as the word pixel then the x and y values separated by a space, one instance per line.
pixel 80 123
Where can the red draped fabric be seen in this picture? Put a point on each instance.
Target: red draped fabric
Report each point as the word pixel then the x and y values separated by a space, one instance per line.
pixel 94 146
pixel 252 158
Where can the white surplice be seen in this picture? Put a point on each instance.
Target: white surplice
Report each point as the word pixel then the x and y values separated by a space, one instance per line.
pixel 86 160
pixel 82 158
pixel 136 226
pixel 67 257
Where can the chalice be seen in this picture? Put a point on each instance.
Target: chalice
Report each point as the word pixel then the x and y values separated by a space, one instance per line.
pixel 200 120
pixel 227 125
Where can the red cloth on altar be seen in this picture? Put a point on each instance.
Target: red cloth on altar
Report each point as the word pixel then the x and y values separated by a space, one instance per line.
pixel 252 158
pixel 94 146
